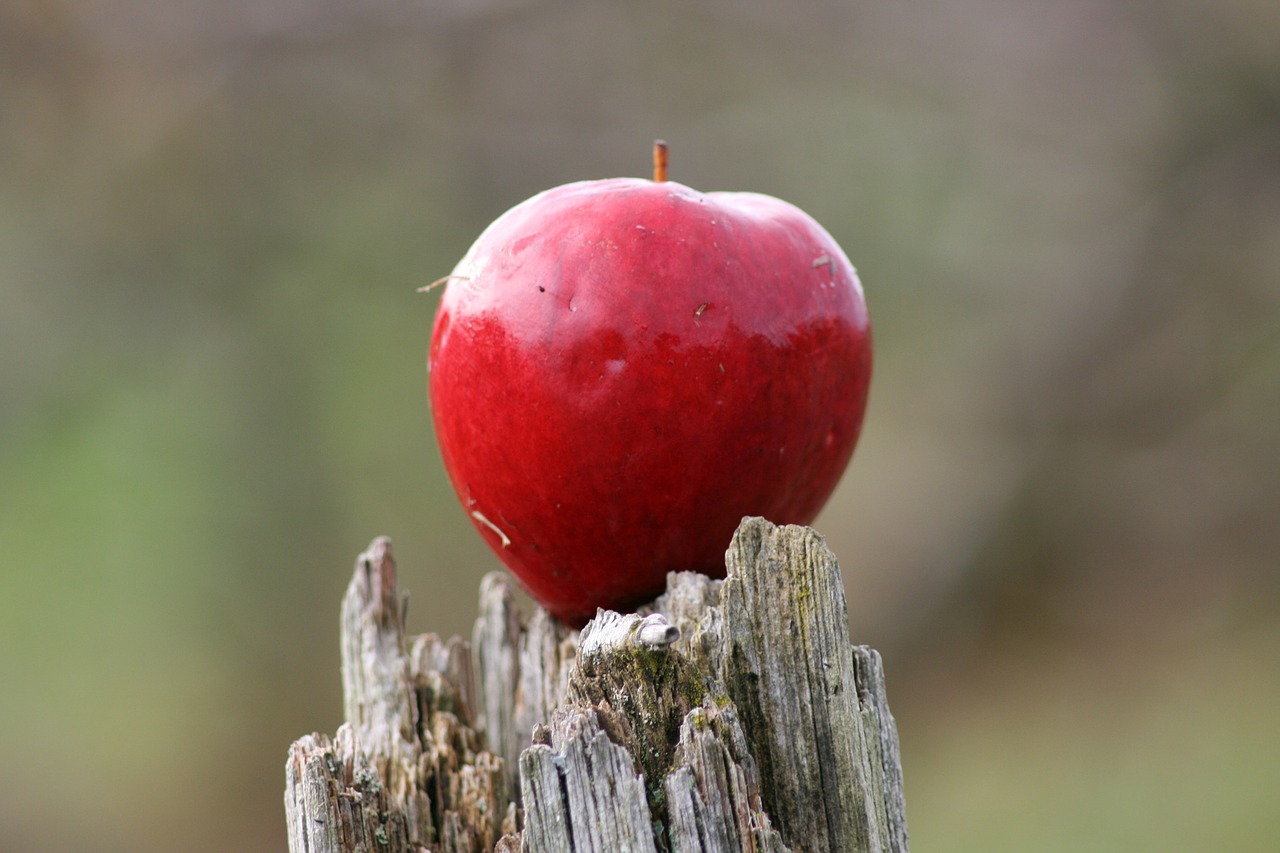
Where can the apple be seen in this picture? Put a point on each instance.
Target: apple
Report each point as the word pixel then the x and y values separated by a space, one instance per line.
pixel 621 369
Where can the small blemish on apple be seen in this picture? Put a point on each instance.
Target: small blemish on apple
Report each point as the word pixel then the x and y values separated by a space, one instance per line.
pixel 480 517
pixel 701 308
pixel 433 285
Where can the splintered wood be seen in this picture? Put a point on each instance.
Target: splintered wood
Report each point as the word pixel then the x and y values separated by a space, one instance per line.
pixel 728 717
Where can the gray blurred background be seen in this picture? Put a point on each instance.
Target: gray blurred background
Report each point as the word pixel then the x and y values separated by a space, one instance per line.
pixel 1062 527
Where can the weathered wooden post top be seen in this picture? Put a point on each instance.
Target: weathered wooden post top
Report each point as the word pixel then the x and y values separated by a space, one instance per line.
pixel 730 715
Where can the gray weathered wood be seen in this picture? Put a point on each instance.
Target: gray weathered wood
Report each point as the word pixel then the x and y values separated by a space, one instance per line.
pixel 406 770
pixel 882 743
pixel 582 792
pixel 713 794
pixel 788 665
pixel 728 717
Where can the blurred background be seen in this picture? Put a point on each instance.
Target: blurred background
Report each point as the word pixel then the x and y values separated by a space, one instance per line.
pixel 1062 526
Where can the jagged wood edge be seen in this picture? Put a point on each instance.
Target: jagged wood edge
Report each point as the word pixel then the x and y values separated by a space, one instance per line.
pixel 783 599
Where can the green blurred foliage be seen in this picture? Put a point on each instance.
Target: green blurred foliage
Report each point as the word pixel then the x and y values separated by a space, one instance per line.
pixel 1062 526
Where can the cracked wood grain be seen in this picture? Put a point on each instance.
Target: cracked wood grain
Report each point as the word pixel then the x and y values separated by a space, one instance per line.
pixel 729 716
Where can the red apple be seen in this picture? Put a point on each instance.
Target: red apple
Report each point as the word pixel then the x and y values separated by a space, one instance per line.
pixel 620 370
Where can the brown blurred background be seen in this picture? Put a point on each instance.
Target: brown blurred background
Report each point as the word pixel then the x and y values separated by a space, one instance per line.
pixel 1062 527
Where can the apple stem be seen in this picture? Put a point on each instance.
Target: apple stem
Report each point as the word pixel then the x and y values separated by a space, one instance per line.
pixel 659 161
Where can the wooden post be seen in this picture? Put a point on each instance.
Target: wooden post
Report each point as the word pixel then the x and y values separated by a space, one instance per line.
pixel 730 716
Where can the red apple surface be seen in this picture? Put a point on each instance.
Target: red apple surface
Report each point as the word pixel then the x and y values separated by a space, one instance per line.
pixel 620 370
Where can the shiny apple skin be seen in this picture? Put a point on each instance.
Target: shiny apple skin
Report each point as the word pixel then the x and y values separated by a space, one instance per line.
pixel 620 370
